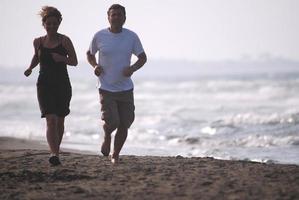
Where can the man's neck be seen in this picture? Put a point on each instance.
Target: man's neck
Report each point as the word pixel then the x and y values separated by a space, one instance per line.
pixel 115 29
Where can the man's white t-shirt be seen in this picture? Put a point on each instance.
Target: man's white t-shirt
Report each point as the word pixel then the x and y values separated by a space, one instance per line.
pixel 115 52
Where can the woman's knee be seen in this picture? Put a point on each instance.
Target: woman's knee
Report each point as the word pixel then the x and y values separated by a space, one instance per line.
pixel 51 121
pixel 60 122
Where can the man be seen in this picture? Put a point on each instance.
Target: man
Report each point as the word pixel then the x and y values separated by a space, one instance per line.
pixel 116 46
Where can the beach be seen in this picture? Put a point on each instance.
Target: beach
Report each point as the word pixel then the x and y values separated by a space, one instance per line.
pixel 26 174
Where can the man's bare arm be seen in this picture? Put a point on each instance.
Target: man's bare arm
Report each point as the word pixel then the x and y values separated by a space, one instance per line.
pixel 91 59
pixel 128 71
pixel 93 62
pixel 140 62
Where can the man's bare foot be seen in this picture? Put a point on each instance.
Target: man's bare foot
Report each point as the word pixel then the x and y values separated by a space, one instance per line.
pixel 114 159
pixel 105 149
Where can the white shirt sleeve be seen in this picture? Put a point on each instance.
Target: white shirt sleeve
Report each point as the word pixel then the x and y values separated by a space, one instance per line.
pixel 93 49
pixel 137 48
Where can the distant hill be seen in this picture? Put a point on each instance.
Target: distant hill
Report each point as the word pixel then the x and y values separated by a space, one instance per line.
pixel 165 69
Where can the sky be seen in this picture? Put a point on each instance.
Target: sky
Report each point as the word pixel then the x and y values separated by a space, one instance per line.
pixel 190 30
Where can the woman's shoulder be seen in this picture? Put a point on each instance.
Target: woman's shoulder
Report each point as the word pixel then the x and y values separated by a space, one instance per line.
pixel 63 37
pixel 65 40
pixel 38 41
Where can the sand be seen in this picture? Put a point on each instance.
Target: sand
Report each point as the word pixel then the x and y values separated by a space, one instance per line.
pixel 26 174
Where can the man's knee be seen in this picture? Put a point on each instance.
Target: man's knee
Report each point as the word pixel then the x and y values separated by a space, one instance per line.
pixel 111 125
pixel 127 121
pixel 122 127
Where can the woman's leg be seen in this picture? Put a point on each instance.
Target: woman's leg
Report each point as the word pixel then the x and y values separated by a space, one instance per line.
pixel 52 134
pixel 60 129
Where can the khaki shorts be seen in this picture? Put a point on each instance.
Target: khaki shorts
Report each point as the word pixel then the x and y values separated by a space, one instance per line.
pixel 117 108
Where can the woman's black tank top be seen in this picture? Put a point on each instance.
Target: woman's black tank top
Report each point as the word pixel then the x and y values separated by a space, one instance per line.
pixel 51 72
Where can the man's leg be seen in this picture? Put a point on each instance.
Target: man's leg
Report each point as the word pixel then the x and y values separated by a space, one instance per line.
pixel 105 149
pixel 119 140
pixel 126 113
pixel 111 119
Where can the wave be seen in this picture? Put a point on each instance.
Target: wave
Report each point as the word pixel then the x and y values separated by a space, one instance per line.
pixel 206 117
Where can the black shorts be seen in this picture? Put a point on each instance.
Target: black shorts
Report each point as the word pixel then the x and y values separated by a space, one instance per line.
pixel 54 99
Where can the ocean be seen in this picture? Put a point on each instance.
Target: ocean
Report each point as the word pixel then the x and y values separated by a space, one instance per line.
pixel 237 117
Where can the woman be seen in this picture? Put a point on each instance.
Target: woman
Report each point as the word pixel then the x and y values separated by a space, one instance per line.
pixel 53 52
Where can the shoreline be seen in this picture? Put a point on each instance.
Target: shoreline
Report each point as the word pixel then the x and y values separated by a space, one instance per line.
pixel 11 143
pixel 19 143
pixel 26 174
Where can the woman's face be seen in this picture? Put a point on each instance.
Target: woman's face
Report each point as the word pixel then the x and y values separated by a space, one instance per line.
pixel 51 25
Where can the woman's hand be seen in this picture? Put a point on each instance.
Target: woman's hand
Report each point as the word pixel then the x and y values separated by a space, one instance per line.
pixel 58 58
pixel 27 72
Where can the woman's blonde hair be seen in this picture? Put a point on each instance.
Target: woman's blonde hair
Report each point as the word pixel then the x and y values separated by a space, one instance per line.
pixel 48 11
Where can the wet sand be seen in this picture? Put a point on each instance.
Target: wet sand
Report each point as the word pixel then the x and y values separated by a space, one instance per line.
pixel 26 174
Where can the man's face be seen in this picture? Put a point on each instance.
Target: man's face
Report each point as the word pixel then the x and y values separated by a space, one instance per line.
pixel 116 18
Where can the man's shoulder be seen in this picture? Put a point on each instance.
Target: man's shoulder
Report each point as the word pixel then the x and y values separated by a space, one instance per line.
pixel 129 32
pixel 101 32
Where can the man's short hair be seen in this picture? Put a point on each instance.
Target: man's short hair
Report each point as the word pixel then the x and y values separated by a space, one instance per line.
pixel 117 6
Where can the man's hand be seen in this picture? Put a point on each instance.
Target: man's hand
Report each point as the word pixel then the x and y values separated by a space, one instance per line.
pixel 27 72
pixel 98 70
pixel 128 71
